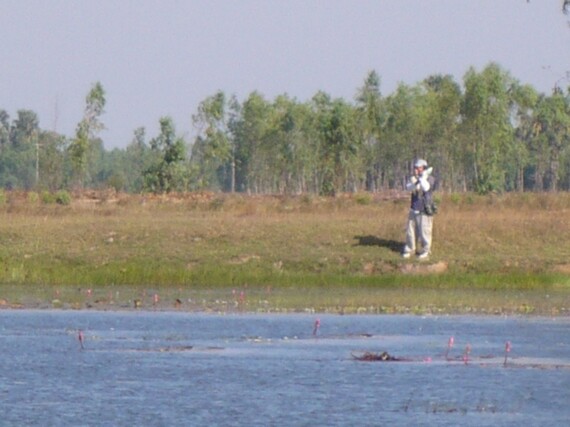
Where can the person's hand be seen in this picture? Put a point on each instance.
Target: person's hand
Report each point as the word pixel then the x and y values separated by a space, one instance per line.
pixel 426 172
pixel 414 179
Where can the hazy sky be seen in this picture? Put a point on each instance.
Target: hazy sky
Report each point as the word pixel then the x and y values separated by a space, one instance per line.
pixel 159 58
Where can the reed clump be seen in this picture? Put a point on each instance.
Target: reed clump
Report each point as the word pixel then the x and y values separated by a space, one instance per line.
pixel 491 253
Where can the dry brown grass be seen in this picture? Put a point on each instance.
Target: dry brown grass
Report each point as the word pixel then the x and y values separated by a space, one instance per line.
pixel 205 241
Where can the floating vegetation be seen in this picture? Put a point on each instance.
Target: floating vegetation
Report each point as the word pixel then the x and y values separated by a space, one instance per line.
pixel 369 356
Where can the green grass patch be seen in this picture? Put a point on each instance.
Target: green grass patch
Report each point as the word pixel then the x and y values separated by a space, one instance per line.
pixel 330 254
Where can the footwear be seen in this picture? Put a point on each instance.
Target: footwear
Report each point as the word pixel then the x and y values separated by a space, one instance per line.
pixel 423 255
pixel 406 254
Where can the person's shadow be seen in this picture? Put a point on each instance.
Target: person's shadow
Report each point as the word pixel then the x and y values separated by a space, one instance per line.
pixel 393 245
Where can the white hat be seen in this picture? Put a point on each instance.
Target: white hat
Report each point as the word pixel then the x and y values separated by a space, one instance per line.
pixel 420 163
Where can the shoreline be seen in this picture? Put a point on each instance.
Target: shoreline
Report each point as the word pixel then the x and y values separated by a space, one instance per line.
pixel 527 303
pixel 163 310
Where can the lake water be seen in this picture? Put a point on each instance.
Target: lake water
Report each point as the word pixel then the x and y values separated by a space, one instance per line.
pixel 180 369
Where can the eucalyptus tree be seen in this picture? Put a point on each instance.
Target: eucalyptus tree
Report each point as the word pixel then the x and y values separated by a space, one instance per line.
pixel 524 101
pixel 16 145
pixel 486 128
pixel 23 129
pixel 321 106
pixel 138 158
pixel 87 130
pixel 22 156
pixel 371 116
pixel 438 107
pixel 400 142
pixel 168 172
pixel 4 129
pixel 52 160
pixel 552 138
pixel 277 145
pixel 340 144
pixel 4 146
pixel 249 129
pixel 214 145
pixel 286 146
pixel 273 150
pixel 97 167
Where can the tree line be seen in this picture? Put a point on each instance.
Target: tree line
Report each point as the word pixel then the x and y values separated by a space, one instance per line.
pixel 490 134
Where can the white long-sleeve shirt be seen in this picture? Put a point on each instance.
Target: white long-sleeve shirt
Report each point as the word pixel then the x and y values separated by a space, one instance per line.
pixel 417 184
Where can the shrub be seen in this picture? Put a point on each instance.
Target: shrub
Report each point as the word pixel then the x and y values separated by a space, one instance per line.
pixel 217 204
pixel 306 199
pixel 33 197
pixel 363 198
pixel 62 197
pixel 455 198
pixel 47 197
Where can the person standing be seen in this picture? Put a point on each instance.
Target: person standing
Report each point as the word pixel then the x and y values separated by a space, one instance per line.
pixel 420 218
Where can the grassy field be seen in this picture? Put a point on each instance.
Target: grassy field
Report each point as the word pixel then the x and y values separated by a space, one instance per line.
pixel 492 254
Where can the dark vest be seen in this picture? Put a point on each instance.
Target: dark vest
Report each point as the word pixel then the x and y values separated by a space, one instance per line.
pixel 420 198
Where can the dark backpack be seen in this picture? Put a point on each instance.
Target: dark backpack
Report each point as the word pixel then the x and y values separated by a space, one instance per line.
pixel 430 206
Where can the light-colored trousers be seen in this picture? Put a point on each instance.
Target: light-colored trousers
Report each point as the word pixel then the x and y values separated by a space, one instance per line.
pixel 418 230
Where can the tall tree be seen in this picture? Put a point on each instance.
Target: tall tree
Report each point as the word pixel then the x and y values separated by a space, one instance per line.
pixel 248 130
pixel 287 146
pixel 524 100
pixel 438 116
pixel 52 160
pixel 400 142
pixel 24 128
pixel 214 144
pixel 87 130
pixel 371 116
pixel 552 131
pixel 486 126
pixel 4 129
pixel 25 150
pixel 138 157
pixel 168 172
pixel 339 144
